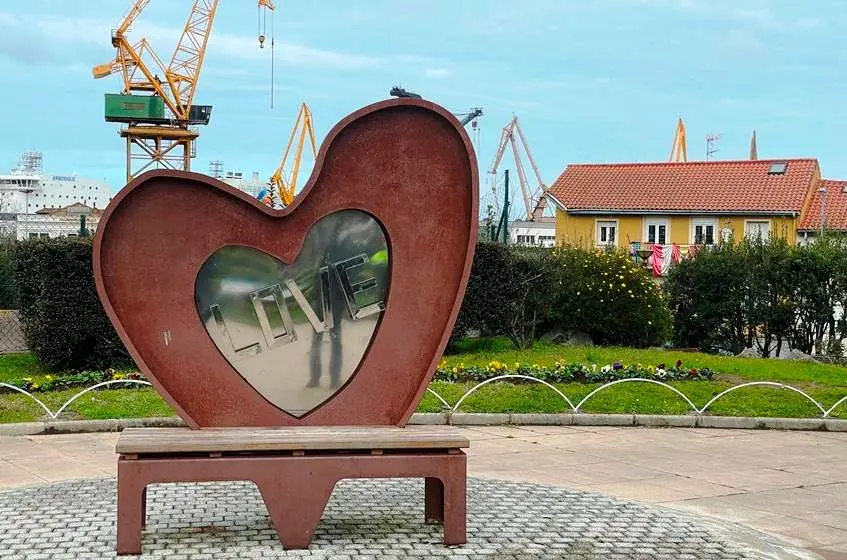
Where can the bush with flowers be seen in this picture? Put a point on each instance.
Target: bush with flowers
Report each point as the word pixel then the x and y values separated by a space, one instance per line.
pixel 606 295
pixel 563 372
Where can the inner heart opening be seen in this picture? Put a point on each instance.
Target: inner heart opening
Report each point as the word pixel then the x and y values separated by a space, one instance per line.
pixel 297 332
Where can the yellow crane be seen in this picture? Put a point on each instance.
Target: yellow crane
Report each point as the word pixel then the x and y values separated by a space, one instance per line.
pixel 679 151
pixel 285 182
pixel 159 121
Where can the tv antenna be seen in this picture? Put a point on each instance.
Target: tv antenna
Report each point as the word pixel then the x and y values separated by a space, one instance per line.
pixel 711 141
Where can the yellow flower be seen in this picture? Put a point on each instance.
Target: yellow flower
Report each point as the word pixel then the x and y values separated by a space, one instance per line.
pixel 455 370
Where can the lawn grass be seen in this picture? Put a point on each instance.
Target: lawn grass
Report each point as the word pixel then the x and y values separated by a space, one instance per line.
pixel 825 383
pixel 16 366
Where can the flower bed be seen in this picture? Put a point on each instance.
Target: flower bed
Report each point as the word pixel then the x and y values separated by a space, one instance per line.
pixel 47 383
pixel 562 372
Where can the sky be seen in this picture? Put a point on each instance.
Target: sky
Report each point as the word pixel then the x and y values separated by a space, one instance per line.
pixel 590 80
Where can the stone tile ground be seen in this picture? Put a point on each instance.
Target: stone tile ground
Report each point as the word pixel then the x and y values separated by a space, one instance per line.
pixel 368 519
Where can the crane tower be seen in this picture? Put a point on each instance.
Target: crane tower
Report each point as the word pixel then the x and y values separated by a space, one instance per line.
pixel 156 102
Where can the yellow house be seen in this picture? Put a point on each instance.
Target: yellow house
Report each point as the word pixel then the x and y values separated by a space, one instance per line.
pixel 682 204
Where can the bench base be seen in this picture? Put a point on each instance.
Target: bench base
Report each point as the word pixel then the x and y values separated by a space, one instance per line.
pixel 296 489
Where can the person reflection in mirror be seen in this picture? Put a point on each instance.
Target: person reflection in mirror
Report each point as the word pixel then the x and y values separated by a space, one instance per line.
pixel 337 305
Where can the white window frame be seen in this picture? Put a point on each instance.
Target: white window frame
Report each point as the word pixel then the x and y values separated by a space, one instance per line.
pixel 747 227
pixel 716 234
pixel 606 222
pixel 657 222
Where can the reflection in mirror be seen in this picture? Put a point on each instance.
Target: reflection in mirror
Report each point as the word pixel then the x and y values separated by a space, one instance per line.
pixel 297 332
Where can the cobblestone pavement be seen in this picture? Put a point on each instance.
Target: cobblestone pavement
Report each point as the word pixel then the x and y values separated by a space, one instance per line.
pixel 368 519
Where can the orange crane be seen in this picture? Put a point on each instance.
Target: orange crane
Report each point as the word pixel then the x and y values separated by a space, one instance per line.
pixel 679 151
pixel 159 121
pixel 285 182
pixel 534 200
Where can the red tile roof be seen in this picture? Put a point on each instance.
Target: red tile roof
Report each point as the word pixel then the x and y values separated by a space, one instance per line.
pixel 835 207
pixel 704 186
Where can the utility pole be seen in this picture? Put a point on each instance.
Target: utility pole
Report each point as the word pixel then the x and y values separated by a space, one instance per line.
pixel 504 218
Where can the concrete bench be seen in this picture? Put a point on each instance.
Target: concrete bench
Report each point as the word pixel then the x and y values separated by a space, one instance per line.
pixel 295 470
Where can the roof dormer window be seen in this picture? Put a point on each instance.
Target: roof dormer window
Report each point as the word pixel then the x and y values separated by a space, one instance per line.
pixel 778 168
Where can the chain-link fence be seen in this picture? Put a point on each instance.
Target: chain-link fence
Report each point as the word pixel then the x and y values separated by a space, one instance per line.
pixel 11 334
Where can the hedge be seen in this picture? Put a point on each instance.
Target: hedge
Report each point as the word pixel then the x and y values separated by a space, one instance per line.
pixel 520 292
pixel 61 315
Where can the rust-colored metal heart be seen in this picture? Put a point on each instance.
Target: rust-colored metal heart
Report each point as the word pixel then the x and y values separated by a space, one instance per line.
pixel 406 163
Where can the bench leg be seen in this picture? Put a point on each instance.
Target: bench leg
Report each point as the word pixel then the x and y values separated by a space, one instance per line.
pixel 296 499
pixel 455 502
pixel 131 511
pixel 433 500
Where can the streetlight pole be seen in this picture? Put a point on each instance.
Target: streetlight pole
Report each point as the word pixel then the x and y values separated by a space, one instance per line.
pixel 822 192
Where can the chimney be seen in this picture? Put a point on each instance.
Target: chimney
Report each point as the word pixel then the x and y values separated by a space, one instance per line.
pixel 754 152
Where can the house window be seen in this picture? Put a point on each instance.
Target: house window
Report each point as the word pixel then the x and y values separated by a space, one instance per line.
pixel 607 232
pixel 657 232
pixel 526 240
pixel 704 232
pixel 757 229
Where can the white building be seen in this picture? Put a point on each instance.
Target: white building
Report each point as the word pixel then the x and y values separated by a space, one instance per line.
pixel 28 189
pixel 252 186
pixel 541 233
pixel 53 222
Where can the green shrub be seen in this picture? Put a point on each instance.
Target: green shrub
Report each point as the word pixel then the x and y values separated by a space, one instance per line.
pixel 8 294
pixel 484 306
pixel 62 317
pixel 762 294
pixel 607 296
pixel 707 296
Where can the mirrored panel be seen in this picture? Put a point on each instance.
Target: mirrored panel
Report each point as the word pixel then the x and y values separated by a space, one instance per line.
pixel 297 332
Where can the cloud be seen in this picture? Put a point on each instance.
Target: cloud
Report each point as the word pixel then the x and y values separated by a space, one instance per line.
pixel 438 73
pixel 50 34
pixel 742 42
pixel 754 12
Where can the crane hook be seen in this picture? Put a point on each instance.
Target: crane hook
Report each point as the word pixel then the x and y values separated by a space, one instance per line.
pixel 261 41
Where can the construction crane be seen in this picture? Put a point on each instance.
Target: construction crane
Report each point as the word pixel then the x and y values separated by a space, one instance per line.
pixel 535 202
pixel 157 101
pixel 473 114
pixel 285 183
pixel 679 151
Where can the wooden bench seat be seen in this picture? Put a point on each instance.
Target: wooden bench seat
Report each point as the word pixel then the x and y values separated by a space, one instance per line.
pixel 295 470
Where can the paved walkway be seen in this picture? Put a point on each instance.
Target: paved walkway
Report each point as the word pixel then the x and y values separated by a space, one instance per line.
pixel 790 484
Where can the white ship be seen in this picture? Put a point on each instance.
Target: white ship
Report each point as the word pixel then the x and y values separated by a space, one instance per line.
pixel 28 189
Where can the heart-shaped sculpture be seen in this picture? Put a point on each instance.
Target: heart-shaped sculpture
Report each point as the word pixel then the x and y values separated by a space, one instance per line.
pixel 334 310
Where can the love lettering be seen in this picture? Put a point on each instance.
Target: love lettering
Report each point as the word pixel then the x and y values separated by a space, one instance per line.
pixel 272 320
